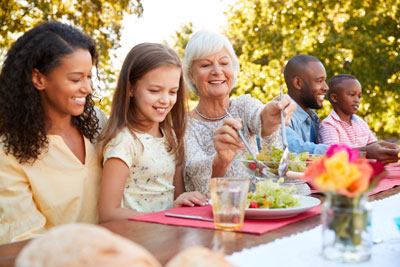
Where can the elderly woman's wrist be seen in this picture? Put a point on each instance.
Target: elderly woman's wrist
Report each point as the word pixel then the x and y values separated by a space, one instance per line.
pixel 269 131
pixel 219 166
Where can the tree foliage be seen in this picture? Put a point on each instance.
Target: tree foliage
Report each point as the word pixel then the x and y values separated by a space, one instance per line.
pixel 100 19
pixel 355 37
pixel 179 42
pixel 181 38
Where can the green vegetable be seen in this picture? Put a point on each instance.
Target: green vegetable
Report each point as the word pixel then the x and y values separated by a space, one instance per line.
pixel 270 195
pixel 298 162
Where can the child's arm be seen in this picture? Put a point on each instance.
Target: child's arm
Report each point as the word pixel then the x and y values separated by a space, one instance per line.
pixel 183 198
pixel 190 199
pixel 115 173
pixel 178 181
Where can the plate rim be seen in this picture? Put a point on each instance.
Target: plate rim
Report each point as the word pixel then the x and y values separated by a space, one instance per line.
pixel 270 213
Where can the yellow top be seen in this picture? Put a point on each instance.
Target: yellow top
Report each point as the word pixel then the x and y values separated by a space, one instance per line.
pixel 56 189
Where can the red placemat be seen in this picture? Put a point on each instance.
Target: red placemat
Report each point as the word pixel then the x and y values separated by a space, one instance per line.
pixel 249 226
pixel 393 171
pixel 391 180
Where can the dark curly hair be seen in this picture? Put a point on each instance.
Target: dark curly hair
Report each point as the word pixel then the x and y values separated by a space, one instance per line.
pixel 22 124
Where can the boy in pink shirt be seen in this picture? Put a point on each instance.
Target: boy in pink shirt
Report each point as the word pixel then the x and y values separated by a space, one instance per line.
pixel 342 126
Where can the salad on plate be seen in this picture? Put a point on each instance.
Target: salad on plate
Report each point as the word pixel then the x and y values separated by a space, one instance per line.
pixel 271 195
pixel 273 201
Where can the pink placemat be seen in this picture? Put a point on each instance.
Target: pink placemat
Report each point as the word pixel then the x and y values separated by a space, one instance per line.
pixel 249 226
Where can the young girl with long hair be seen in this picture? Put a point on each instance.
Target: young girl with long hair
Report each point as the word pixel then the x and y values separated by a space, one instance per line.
pixel 49 169
pixel 142 142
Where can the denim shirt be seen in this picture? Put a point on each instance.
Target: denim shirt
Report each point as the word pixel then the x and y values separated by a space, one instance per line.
pixel 302 133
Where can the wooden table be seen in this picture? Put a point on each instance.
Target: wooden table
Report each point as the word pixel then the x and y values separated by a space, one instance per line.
pixel 165 241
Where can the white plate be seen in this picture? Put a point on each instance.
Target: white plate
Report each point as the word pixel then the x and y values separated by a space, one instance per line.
pixel 306 203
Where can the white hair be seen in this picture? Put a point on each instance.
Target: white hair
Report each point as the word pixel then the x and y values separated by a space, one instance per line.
pixel 202 44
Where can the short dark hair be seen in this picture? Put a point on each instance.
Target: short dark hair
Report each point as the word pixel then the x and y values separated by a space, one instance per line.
pixel 22 126
pixel 295 65
pixel 335 81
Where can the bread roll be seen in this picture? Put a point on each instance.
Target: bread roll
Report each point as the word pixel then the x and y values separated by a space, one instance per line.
pixel 83 245
pixel 199 257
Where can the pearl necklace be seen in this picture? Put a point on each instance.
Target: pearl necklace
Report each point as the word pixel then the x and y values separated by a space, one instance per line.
pixel 208 118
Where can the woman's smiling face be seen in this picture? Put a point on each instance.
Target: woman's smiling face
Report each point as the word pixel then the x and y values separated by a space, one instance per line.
pixel 213 75
pixel 64 89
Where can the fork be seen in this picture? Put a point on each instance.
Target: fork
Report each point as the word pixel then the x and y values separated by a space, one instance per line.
pixel 284 163
pixel 264 169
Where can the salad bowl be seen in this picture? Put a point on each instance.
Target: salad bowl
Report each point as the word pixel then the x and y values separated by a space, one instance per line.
pixel 297 164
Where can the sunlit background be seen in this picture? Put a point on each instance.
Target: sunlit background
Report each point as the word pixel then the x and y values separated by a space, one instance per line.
pixel 361 38
pixel 162 18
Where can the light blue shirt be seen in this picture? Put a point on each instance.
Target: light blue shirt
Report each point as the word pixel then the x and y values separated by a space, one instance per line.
pixel 302 133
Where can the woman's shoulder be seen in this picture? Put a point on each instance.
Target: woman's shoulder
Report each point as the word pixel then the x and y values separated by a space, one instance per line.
pixel 7 160
pixel 3 156
pixel 246 107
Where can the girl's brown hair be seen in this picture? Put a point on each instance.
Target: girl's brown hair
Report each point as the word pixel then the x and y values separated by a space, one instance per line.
pixel 141 59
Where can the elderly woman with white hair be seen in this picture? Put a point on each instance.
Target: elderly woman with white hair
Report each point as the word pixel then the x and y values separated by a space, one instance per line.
pixel 210 69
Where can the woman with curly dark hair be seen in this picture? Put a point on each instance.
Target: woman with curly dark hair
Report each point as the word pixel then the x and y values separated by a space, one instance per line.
pixel 49 169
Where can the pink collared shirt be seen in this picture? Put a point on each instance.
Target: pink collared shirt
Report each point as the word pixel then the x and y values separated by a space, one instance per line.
pixel 335 131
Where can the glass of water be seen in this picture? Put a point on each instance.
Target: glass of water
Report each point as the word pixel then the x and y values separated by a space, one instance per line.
pixel 228 196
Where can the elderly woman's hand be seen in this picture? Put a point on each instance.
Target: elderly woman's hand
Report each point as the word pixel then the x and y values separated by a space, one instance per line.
pixel 271 114
pixel 227 142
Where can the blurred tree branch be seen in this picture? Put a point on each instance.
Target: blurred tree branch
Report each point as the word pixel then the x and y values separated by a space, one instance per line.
pixel 100 19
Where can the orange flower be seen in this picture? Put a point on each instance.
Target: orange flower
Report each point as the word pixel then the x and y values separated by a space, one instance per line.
pixel 361 184
pixel 339 171
pixel 315 169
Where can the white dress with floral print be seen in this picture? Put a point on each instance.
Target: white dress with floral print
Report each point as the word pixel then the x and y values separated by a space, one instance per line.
pixel 199 144
pixel 149 187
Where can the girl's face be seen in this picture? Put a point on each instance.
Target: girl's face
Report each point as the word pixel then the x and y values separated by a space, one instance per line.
pixel 155 93
pixel 213 75
pixel 349 96
pixel 64 89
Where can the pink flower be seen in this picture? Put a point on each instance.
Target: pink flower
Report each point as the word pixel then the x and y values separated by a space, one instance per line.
pixel 378 168
pixel 353 153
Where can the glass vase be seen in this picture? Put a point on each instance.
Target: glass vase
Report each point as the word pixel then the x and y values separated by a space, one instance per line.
pixel 346 228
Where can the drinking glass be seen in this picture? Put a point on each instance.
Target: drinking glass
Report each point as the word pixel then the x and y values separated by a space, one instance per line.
pixel 228 196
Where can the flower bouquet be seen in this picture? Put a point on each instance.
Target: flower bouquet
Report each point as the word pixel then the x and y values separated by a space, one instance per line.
pixel 346 180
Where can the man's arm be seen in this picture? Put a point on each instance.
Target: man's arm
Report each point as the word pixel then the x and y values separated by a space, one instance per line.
pixel 298 145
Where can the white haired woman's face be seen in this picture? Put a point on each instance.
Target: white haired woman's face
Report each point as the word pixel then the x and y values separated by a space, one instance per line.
pixel 213 75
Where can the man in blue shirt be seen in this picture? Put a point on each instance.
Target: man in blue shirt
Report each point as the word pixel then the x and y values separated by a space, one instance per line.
pixel 305 77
